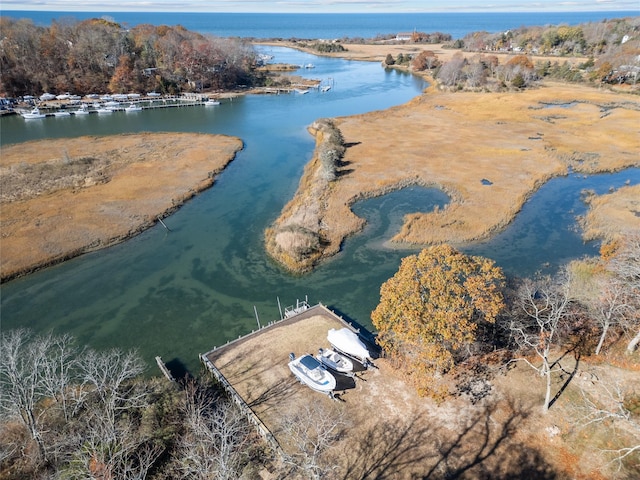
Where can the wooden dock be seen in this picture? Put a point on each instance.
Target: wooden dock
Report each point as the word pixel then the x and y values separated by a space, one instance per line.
pixel 259 388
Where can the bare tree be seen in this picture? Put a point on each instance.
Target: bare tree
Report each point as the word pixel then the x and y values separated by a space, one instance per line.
pixel 312 431
pixel 452 71
pixel 626 266
pixel 59 373
pixel 609 307
pixel 476 73
pixel 96 454
pixel 108 375
pixel 24 366
pixel 604 403
pixel 216 436
pixel 544 305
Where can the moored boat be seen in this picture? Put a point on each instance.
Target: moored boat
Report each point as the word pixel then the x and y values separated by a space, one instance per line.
pixel 211 103
pixel 83 110
pixel 309 371
pixel 133 108
pixel 34 113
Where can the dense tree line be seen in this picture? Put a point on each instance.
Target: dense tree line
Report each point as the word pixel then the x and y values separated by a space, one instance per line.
pixel 611 49
pixel 99 56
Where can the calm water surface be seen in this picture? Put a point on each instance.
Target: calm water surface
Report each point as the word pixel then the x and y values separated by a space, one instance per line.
pixel 179 293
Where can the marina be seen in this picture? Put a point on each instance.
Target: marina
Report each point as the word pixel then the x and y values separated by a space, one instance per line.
pixel 49 108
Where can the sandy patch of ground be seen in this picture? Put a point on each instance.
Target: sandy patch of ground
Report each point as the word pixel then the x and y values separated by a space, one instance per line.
pixel 489 151
pixel 70 196
pixel 377 52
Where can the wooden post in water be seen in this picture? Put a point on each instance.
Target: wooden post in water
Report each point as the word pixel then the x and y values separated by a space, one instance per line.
pixel 257 319
pixel 160 220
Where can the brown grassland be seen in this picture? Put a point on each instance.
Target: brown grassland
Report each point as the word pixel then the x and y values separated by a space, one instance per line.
pixel 457 141
pixel 612 214
pixel 61 198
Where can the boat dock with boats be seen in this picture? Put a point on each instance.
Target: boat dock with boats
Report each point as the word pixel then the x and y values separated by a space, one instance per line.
pixel 111 104
pixel 258 373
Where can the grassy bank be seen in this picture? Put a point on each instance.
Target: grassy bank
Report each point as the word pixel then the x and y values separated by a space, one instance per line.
pixel 489 151
pixel 61 198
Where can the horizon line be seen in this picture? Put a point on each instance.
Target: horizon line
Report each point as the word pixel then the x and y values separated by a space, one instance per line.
pixel 451 10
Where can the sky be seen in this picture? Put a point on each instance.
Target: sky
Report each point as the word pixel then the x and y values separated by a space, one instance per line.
pixel 322 6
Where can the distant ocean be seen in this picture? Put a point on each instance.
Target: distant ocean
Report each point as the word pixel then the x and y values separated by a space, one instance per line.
pixel 332 26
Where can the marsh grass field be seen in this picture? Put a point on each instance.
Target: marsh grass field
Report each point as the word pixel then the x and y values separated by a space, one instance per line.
pixel 62 198
pixel 488 151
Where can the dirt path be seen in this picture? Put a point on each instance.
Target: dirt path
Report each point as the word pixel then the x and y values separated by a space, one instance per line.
pixel 61 198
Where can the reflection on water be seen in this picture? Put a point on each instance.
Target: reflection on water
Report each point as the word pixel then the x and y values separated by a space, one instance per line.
pixel 179 293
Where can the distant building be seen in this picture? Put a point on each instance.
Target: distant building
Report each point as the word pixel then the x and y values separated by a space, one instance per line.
pixel 404 36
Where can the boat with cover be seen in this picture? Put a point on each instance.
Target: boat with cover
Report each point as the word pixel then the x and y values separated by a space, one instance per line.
pixel 333 360
pixel 348 342
pixel 211 103
pixel 310 372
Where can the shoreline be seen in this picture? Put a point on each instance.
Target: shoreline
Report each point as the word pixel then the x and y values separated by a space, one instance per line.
pixel 103 191
pixel 434 112
pixel 455 141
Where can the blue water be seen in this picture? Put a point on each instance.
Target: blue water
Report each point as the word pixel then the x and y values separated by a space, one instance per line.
pixel 333 26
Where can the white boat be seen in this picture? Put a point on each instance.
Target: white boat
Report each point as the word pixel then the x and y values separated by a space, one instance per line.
pixel 301 91
pixel 35 113
pixel 348 342
pixel 335 361
pixel 211 103
pixel 103 110
pixel 325 88
pixel 83 110
pixel 133 108
pixel 310 372
pixel 309 65
pixel 61 113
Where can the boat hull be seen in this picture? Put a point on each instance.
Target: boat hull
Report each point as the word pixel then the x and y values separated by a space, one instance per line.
pixel 347 342
pixel 335 361
pixel 311 373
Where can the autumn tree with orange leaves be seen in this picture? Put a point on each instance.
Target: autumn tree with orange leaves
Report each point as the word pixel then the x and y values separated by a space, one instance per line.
pixel 430 310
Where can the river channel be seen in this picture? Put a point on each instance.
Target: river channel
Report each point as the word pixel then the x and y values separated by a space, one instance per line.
pixel 180 293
